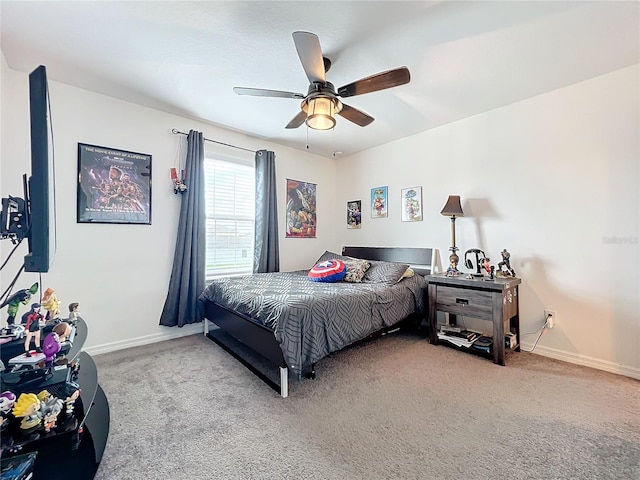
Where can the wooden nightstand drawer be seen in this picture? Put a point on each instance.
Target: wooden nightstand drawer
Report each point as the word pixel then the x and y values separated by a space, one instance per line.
pixel 467 302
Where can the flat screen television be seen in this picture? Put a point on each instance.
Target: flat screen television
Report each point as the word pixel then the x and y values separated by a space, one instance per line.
pixel 41 192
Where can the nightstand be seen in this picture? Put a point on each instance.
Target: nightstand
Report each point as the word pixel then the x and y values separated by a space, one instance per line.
pixel 494 300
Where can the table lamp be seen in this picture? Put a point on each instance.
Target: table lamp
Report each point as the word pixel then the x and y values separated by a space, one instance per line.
pixel 453 209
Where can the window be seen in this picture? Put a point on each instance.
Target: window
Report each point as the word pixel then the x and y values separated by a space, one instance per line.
pixel 230 217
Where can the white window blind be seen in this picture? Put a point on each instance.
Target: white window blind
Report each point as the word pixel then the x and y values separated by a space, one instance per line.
pixel 230 215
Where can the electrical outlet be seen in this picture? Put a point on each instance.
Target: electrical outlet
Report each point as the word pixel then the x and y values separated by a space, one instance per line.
pixel 551 318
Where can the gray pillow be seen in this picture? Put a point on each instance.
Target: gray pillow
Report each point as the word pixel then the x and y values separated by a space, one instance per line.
pixel 385 272
pixel 327 255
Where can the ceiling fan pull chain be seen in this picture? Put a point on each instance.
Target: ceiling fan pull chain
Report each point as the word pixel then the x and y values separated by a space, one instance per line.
pixel 333 140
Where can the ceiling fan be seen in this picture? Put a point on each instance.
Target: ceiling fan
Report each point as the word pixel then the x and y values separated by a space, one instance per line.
pixel 321 103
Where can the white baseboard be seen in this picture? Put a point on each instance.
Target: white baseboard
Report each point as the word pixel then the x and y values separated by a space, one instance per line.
pixel 146 339
pixel 198 328
pixel 585 361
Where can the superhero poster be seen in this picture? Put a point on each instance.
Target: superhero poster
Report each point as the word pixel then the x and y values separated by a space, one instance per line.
pixel 354 214
pixel 301 209
pixel 412 204
pixel 379 202
pixel 114 186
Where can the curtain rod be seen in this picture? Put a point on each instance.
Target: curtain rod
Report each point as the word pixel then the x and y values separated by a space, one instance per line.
pixel 175 131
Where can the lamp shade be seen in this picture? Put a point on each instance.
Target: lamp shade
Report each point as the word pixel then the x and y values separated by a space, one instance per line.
pixel 321 111
pixel 452 207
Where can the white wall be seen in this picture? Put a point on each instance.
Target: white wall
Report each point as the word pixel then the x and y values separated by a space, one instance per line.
pixel 555 180
pixel 120 273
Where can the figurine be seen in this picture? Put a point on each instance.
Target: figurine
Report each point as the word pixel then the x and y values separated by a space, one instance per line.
pixel 34 311
pixel 35 307
pixel 51 304
pixel 7 400
pixel 506 261
pixel 27 406
pixel 50 347
pixel 14 301
pixel 63 329
pixel 179 187
pixel 75 369
pixel 453 271
pixel 72 393
pixel 74 314
pixel 50 408
pixel 33 329
pixel 486 264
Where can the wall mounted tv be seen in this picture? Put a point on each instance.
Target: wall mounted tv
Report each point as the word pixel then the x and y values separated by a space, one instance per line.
pixel 34 217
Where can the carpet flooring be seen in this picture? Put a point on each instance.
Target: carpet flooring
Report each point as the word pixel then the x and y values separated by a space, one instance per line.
pixel 391 408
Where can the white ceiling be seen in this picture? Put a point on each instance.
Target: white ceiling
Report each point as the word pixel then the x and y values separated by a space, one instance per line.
pixel 184 58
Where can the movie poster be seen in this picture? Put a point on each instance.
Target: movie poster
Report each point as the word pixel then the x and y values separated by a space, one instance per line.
pixel 301 209
pixel 114 186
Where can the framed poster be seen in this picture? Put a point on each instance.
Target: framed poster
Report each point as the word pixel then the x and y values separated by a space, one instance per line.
pixel 301 209
pixel 114 186
pixel 412 204
pixel 354 214
pixel 379 202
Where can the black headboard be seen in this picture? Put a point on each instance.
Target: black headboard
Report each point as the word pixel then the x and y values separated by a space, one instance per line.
pixel 421 259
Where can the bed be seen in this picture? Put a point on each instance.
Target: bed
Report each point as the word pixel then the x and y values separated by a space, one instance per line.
pixel 293 322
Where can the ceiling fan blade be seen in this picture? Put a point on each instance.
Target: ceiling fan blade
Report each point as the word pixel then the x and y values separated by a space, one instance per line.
pixel 379 81
pixel 310 53
pixel 260 92
pixel 297 120
pixel 356 116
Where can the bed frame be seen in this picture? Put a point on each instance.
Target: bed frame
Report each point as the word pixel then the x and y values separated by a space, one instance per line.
pixel 262 340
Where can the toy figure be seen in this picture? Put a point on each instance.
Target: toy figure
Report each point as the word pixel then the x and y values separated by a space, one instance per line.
pixel 51 304
pixel 72 393
pixel 73 312
pixel 63 329
pixel 14 301
pixel 7 400
pixel 33 312
pixel 27 407
pixel 50 347
pixel 33 329
pixel 453 271
pixel 486 264
pixel 506 261
pixel 50 408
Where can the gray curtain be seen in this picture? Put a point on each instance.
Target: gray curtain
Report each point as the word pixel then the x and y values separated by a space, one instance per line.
pixel 266 257
pixel 187 277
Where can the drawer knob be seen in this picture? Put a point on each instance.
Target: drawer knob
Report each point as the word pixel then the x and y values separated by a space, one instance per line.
pixel 462 301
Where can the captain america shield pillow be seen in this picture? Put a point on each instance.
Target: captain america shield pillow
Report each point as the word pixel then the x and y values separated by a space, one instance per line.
pixel 328 271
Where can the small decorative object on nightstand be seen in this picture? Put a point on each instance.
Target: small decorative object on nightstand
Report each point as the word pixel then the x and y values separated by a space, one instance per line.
pixel 453 209
pixel 506 261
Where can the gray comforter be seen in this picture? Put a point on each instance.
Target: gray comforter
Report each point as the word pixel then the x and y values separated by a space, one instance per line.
pixel 311 320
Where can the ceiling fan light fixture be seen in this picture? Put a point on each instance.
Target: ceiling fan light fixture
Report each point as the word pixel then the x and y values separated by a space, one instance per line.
pixel 321 112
